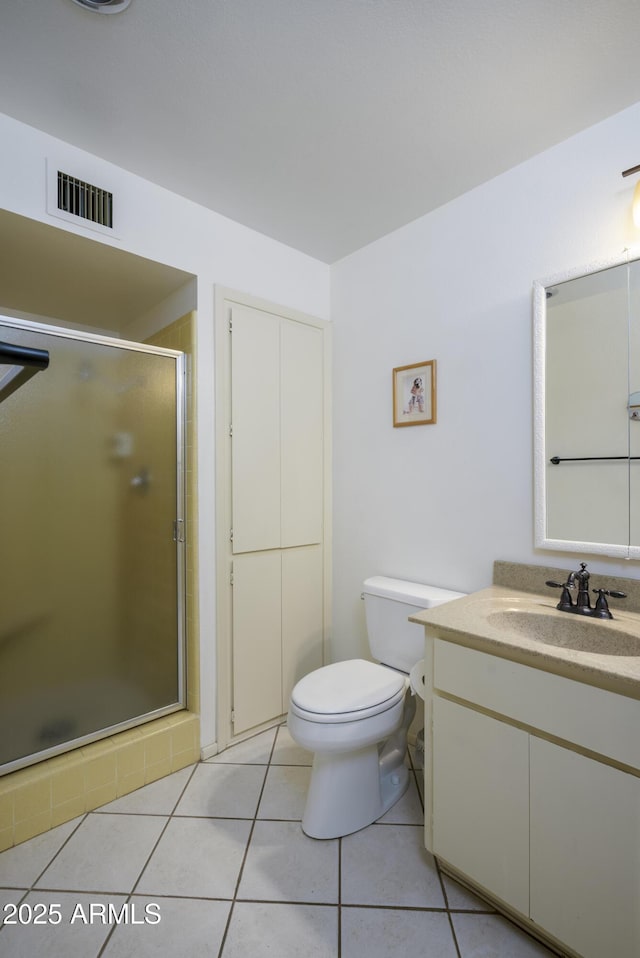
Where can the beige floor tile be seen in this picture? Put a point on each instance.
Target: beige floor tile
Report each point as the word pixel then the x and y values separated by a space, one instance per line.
pixel 189 928
pixel 253 751
pixel 80 933
pixel 20 866
pixel 197 857
pixel 283 864
pixel 287 752
pixel 388 865
pixel 460 898
pixel 259 930
pixel 491 936
pixel 285 792
pixel 158 798
pixel 223 791
pixel 408 810
pixel 106 853
pixel 379 933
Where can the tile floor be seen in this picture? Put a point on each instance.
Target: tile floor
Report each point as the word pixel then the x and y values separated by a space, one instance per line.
pixel 212 861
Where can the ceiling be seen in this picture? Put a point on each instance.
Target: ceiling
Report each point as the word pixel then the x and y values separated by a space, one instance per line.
pixel 324 124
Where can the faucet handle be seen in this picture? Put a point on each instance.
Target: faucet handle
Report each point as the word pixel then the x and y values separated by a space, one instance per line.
pixel 612 593
pixel 565 599
pixel 601 609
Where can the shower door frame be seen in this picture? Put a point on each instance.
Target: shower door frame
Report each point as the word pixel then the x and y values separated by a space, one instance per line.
pixel 179 532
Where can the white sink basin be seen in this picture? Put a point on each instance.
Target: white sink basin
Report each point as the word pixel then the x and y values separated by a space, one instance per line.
pixel 567 630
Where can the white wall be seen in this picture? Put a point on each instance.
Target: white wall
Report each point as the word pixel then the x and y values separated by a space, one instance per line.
pixel 439 503
pixel 162 226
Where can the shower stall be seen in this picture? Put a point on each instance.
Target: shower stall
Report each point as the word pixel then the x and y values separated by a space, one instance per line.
pixel 91 538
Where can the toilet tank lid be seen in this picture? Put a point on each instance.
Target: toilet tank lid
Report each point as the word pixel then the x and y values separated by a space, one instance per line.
pixel 412 593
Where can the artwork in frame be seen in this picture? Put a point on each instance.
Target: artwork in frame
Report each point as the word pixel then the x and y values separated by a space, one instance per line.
pixel 414 394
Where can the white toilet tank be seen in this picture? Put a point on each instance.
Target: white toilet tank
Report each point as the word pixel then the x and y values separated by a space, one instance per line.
pixel 388 603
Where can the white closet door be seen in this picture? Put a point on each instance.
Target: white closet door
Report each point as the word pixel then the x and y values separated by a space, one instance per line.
pixel 257 629
pixel 301 433
pixel 302 616
pixel 255 417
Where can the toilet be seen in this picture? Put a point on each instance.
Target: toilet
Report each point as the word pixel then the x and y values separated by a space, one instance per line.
pixel 355 715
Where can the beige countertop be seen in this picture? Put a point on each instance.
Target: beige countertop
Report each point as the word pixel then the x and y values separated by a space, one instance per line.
pixel 478 621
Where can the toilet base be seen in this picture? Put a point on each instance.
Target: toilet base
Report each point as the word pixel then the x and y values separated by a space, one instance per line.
pixel 350 790
pixel 347 792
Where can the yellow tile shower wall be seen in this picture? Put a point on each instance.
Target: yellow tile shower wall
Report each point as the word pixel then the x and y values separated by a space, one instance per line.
pixel 35 799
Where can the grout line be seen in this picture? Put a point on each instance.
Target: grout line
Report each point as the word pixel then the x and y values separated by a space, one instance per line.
pixel 83 818
pixel 149 856
pixel 449 910
pixel 246 848
pixel 339 897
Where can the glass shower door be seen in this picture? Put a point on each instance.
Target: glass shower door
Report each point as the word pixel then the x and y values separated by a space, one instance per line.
pixel 91 562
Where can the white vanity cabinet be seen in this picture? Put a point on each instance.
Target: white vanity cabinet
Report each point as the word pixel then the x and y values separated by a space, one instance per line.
pixel 533 796
pixel 585 851
pixel 481 799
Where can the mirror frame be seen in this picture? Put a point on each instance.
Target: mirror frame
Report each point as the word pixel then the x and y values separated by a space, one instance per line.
pixel 541 540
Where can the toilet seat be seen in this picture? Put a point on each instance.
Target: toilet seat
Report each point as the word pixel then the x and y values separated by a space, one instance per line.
pixel 347 692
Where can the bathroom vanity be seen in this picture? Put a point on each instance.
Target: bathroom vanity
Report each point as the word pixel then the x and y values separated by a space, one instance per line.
pixel 532 759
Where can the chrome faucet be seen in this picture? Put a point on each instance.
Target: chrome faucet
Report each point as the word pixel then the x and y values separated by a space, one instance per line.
pixel 582 605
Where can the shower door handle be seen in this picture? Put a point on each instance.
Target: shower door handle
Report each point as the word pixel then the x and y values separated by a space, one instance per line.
pixel 25 363
pixel 178 530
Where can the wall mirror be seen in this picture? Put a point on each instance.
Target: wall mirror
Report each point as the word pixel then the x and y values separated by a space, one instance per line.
pixel 587 410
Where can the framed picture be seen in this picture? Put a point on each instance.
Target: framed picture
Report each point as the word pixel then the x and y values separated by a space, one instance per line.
pixel 414 394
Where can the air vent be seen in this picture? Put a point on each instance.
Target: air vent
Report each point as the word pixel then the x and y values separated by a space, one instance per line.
pixel 104 6
pixel 82 199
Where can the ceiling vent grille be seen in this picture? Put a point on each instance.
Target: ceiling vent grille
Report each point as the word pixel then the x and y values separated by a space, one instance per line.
pixel 82 199
pixel 104 6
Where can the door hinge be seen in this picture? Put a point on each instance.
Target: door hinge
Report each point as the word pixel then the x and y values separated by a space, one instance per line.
pixel 231 429
pixel 231 535
pixel 231 576
pixel 233 716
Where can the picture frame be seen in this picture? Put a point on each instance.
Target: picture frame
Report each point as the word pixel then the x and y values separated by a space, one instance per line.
pixel 414 394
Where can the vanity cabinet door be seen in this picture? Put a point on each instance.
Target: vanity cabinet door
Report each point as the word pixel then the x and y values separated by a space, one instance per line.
pixel 481 800
pixel 585 852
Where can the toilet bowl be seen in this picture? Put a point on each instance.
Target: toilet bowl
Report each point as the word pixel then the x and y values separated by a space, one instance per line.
pixel 355 715
pixel 341 713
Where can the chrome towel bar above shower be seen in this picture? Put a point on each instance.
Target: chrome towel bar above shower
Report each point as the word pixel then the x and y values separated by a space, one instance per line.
pixel 24 362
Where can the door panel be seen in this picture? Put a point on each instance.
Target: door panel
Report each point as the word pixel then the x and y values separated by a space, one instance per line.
pixel 91 614
pixel 277 390
pixel 301 434
pixel 257 626
pixel 255 416
pixel 302 619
